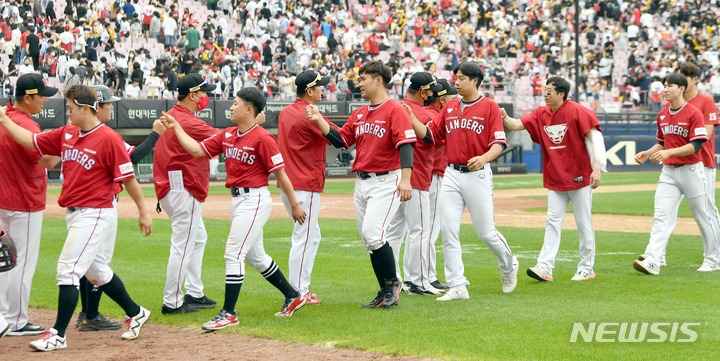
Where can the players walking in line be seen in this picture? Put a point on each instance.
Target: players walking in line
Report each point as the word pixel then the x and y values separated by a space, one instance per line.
pixel 91 153
pixel 22 199
pixel 181 185
pixel 304 151
pixel 384 143
pixel 447 94
pixel 90 318
pixel 573 157
pixel 413 216
pixel 681 132
pixel 706 105
pixel 473 133
pixel 251 154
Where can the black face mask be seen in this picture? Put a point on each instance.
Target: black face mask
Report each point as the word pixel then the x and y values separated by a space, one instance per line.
pixel 430 100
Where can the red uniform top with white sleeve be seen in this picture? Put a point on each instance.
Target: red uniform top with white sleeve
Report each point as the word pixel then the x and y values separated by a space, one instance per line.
pixel 706 105
pixel 678 128
pixel 92 163
pixel 129 149
pixel 171 156
pixel 423 160
pixel 249 157
pixel 439 163
pixel 378 131
pixel 467 132
pixel 23 183
pixel 566 162
pixel 303 147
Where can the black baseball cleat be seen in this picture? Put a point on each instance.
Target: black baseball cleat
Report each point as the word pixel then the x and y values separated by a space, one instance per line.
pixel 185 308
pixel 377 302
pixel 81 317
pixel 99 323
pixel 202 302
pixel 439 285
pixel 391 294
pixel 5 331
pixel 28 330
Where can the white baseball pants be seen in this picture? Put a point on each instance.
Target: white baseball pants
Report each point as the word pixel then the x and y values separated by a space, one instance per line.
pixel 376 202
pixel 250 212
pixel 688 180
pixel 412 216
pixel 187 247
pixel 25 228
pixel 87 250
pixel 710 174
pixel 434 196
pixel 305 240
pixel 474 189
pixel 557 209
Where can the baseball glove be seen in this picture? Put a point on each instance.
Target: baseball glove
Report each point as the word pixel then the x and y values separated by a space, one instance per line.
pixel 8 254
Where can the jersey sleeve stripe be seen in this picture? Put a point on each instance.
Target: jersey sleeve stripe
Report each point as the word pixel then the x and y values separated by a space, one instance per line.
pixel 131 150
pixel 432 136
pixel 281 165
pixel 699 137
pixel 496 141
pixel 127 176
pixel 205 149
pixel 344 142
pixel 404 141
pixel 36 143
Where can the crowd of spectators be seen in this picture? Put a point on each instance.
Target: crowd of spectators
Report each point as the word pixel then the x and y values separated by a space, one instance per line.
pixel 626 46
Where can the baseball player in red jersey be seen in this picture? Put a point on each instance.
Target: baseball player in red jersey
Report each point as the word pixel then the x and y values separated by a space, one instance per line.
pixel 90 318
pixel 251 154
pixel 681 132
pixel 474 136
pixel 413 216
pixel 564 129
pixel 181 185
pixel 22 199
pixel 91 154
pixel 706 105
pixel 439 164
pixel 304 151
pixel 384 158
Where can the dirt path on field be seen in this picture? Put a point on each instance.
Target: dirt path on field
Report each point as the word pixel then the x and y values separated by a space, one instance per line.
pixel 158 342
pixel 508 210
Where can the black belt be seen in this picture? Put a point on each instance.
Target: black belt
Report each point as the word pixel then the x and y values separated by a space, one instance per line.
pixel 678 166
pixel 462 168
pixel 366 175
pixel 235 191
pixel 72 209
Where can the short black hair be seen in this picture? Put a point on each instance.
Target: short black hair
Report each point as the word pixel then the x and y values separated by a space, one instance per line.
pixel 561 85
pixel 254 97
pixel 377 68
pixel 472 70
pixel 677 79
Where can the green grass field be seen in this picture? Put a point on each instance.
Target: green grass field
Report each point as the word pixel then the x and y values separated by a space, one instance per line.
pixel 533 323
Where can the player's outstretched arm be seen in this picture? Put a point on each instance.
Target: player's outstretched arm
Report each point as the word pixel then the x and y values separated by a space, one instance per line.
pixel 511 123
pixel 298 213
pixel 641 157
pixel 135 192
pixel 21 135
pixel 190 145
pixel 419 128
pixel 312 113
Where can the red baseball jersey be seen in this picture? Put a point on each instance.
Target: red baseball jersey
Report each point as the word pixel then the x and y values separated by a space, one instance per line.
pixel 378 131
pixel 566 162
pixel 129 149
pixel 171 156
pixel 23 183
pixel 304 148
pixel 250 157
pixel 439 163
pixel 678 128
pixel 423 160
pixel 92 163
pixel 467 132
pixel 706 105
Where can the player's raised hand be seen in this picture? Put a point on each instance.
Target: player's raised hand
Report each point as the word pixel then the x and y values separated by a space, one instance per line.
pixel 145 222
pixel 158 127
pixel 404 189
pixel 298 214
pixel 260 119
pixel 476 163
pixel 312 113
pixel 503 113
pixel 641 157
pixel 168 121
pixel 409 110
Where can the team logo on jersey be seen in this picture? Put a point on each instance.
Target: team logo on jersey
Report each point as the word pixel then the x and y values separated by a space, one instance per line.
pixel 360 116
pixel 228 135
pixel 556 132
pixel 662 117
pixel 277 159
pixel 701 131
pixel 409 133
pixel 68 136
pixel 499 135
pixel 450 110
pixel 126 168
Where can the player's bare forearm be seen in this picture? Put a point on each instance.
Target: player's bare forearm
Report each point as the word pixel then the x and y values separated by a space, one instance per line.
pixel 511 123
pixel 298 213
pixel 493 152
pixel 419 128
pixel 686 149
pixel 21 135
pixel 405 188
pixel 190 145
pixel 135 192
pixel 49 161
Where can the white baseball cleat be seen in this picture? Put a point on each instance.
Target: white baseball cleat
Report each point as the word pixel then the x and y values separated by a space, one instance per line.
pixel 648 265
pixel 662 261
pixel 707 267
pixel 49 342
pixel 539 273
pixel 583 276
pixel 134 324
pixel 509 280
pixel 455 293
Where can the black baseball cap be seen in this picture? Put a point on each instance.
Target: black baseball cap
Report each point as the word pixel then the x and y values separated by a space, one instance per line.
pixel 104 94
pixel 309 79
pixel 424 81
pixel 447 88
pixel 31 84
pixel 193 82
